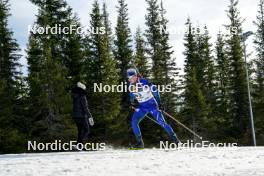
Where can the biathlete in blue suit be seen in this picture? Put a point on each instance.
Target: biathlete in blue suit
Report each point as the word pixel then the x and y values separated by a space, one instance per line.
pixel 148 98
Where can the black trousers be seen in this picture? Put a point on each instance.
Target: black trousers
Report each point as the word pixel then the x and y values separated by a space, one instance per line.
pixel 83 128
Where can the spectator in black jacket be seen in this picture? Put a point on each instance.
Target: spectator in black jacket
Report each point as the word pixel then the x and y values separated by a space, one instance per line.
pixel 81 113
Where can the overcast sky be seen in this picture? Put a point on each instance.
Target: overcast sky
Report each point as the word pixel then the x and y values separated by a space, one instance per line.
pixel 209 12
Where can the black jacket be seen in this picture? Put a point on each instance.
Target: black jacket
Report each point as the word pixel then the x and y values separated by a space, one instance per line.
pixel 80 104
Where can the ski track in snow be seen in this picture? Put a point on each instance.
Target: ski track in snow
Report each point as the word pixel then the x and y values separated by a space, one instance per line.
pixel 236 161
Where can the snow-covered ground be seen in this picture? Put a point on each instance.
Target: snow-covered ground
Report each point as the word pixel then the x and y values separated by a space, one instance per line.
pixel 237 161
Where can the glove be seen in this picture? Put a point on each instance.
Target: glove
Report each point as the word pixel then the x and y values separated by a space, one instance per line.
pixel 91 121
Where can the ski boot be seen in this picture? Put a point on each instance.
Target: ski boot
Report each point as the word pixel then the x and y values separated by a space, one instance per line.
pixel 139 145
pixel 175 140
pixel 76 149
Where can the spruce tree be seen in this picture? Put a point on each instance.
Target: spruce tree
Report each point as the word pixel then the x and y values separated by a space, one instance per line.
pixel 74 56
pixel 105 106
pixel 200 46
pixel 123 54
pixel 140 57
pixel 110 75
pixel 13 124
pixel 169 70
pixel 51 58
pixel 205 72
pixel 153 35
pixel 123 48
pixel 108 29
pixel 204 75
pixel 223 85
pixel 207 67
pixel 238 89
pixel 195 109
pixel 259 72
pixel 48 96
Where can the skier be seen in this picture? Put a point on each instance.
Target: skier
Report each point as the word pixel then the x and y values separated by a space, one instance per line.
pixel 81 114
pixel 148 98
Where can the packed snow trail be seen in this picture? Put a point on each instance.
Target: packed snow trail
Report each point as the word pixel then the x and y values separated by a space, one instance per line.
pixel 236 161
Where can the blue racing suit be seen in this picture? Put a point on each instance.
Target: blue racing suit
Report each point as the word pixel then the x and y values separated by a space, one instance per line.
pixel 148 98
